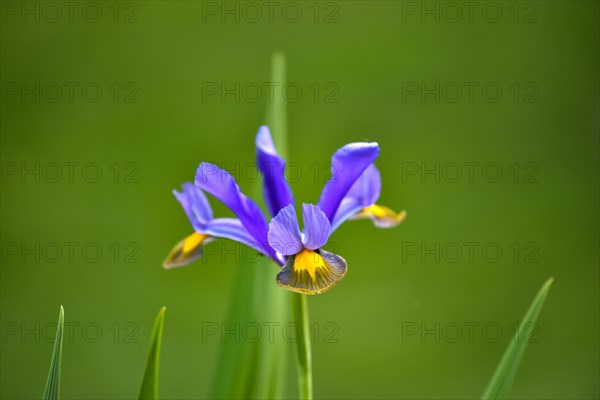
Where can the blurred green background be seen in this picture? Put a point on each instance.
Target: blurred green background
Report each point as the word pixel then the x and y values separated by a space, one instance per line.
pixel 366 71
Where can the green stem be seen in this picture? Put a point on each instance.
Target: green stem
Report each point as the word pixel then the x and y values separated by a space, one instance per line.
pixel 305 381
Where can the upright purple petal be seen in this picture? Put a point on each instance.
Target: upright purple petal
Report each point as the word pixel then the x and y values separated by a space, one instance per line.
pixel 367 187
pixel 347 164
pixel 316 227
pixel 284 233
pixel 221 184
pixel 364 193
pixel 349 207
pixel 276 189
pixel 195 204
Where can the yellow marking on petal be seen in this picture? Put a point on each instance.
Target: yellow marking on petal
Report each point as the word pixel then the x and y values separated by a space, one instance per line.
pixel 382 217
pixel 186 250
pixel 309 261
pixel 377 210
pixel 193 241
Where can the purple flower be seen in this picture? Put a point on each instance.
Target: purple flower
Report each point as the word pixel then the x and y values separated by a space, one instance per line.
pixel 307 268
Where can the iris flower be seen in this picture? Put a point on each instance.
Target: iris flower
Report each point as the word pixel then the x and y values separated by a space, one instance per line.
pixel 351 193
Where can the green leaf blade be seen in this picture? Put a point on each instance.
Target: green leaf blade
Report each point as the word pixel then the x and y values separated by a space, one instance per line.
pixel 276 115
pixel 503 377
pixel 149 390
pixel 258 370
pixel 53 381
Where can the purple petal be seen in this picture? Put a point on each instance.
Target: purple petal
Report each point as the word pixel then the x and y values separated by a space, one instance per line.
pixel 284 233
pixel 199 212
pixel 276 189
pixel 316 227
pixel 364 193
pixel 367 187
pixel 231 228
pixel 195 204
pixel 347 164
pixel 221 184
pixel 348 208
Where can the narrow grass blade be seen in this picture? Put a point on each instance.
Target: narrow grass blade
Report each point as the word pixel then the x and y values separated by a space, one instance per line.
pixel 503 377
pixel 248 369
pixel 149 389
pixel 53 382
pixel 276 110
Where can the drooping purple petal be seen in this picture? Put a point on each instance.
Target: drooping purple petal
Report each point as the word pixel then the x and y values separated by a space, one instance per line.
pixel 347 164
pixel 195 204
pixel 199 212
pixel 284 233
pixel 316 227
pixel 364 193
pixel 231 228
pixel 221 184
pixel 278 193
